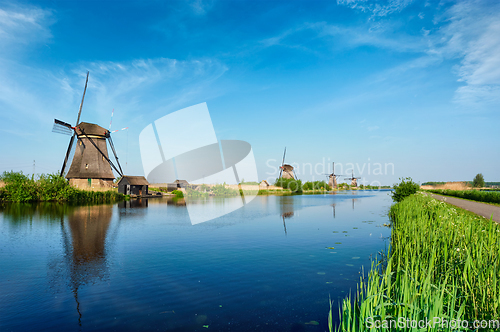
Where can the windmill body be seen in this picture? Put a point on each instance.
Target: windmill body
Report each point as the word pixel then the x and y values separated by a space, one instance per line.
pixel 91 166
pixel 332 178
pixel 88 162
pixel 354 180
pixel 287 172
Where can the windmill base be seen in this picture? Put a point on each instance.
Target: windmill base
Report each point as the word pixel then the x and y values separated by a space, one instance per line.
pixel 91 184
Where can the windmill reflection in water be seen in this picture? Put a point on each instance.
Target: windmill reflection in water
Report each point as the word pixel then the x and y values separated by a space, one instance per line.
pixel 84 240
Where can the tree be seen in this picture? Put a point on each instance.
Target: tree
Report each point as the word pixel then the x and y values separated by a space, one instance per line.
pixel 404 189
pixel 478 181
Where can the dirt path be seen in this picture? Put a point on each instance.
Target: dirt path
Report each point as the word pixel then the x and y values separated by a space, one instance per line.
pixel 481 209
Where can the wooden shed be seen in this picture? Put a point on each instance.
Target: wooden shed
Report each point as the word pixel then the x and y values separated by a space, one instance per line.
pixel 177 185
pixel 133 185
pixel 264 185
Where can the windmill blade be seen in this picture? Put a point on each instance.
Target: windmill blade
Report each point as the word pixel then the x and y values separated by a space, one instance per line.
pixel 282 163
pixel 114 152
pixel 61 127
pixel 111 121
pixel 83 97
pixel 70 146
pixel 114 131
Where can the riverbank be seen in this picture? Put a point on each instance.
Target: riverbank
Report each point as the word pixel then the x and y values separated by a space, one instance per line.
pixel 50 188
pixel 442 265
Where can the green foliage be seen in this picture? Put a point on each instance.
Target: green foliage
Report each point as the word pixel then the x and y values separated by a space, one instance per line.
pixel 49 187
pixel 404 189
pixel 178 193
pixel 443 263
pixel 343 186
pixel 316 185
pixel 473 195
pixel 294 185
pixel 216 190
pixel 221 190
pixel 478 181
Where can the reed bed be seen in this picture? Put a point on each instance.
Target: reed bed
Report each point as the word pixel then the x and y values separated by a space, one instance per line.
pixel 441 274
pixel 474 195
pixel 50 188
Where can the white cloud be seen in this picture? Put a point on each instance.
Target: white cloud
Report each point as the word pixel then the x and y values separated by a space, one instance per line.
pixel 472 34
pixel 201 7
pixel 144 86
pixel 379 8
pixel 23 25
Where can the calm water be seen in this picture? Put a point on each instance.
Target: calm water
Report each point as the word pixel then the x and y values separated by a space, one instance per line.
pixel 142 265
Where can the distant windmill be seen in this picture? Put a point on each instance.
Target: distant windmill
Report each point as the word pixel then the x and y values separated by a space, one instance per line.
pixel 332 178
pixel 354 181
pixel 91 161
pixel 286 171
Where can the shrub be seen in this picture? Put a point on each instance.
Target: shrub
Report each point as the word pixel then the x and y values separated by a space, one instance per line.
pixel 294 185
pixel 404 189
pixel 178 193
pixel 49 187
pixel 316 185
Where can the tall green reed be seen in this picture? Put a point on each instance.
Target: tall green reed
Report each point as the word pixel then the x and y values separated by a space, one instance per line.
pixel 443 264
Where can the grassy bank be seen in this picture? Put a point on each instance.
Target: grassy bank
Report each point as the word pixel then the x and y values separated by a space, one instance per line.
pixel 49 188
pixel 473 195
pixel 443 264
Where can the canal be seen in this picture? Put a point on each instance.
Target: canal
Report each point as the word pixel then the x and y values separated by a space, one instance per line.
pixel 142 265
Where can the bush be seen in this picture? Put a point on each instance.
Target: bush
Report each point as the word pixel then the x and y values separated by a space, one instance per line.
pixel 404 189
pixel 49 187
pixel 316 185
pixel 294 185
pixel 178 193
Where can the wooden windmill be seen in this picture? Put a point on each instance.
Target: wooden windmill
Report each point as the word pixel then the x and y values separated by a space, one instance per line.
pixel 286 171
pixel 332 178
pixel 354 181
pixel 91 166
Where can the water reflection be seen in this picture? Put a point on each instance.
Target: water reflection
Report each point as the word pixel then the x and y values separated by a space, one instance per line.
pixel 84 241
pixel 287 209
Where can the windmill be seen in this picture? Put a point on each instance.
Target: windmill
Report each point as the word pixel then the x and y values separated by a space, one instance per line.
pixel 332 178
pixel 354 181
pixel 286 171
pixel 90 161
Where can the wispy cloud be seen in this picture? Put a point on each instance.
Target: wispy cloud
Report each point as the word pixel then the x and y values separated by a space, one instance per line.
pixel 200 7
pixel 24 24
pixel 379 8
pixel 145 86
pixel 472 34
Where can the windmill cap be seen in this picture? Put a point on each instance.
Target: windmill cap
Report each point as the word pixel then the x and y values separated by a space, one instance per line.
pixel 91 129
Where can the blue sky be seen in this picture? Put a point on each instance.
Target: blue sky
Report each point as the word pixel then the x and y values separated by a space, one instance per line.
pixel 412 84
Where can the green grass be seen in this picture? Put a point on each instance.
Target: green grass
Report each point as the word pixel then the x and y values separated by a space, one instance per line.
pixel 473 195
pixel 50 188
pixel 443 263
